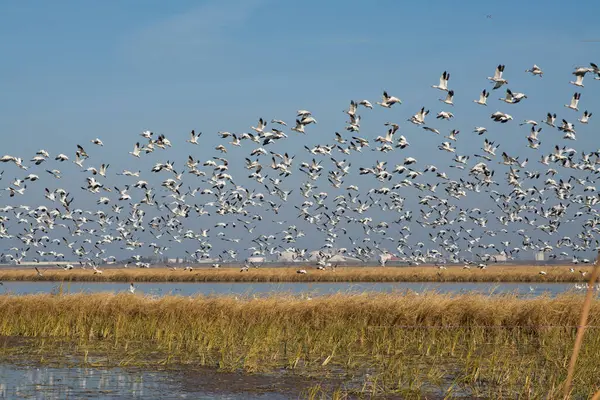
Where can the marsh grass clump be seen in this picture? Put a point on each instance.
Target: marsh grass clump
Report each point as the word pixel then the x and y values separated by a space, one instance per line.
pixel 497 273
pixel 476 345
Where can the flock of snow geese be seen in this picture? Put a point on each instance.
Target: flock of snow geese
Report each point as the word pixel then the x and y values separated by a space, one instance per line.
pixel 418 212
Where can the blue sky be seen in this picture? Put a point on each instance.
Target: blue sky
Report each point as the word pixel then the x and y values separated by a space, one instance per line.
pixel 73 70
pixel 112 68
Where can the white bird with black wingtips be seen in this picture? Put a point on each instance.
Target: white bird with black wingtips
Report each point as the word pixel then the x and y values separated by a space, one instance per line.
pixel 574 102
pixel 482 98
pixel 443 82
pixel 586 117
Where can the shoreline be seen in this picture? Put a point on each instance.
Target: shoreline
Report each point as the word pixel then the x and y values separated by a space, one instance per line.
pixel 422 274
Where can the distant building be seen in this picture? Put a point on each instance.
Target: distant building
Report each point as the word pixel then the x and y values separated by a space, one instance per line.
pixel 501 257
pixel 287 256
pixel 44 263
pixel 340 258
pixel 332 256
pixel 207 260
pixel 385 257
pixel 540 256
pixel 256 260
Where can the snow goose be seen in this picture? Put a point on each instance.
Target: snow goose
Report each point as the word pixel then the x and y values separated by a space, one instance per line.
pixel 444 115
pixel 54 172
pixel 482 98
pixel 262 124
pixel 518 96
pixel 431 130
pixel 449 98
pixel 193 138
pixel 352 109
pixel 43 153
pixel 136 150
pixel 569 135
pixel 402 142
pixel 236 141
pixel 499 116
pixel 532 144
pixel 443 82
pixel 488 147
pixel 566 127
pixel 574 102
pixel 446 146
pixel 578 80
pixel 366 104
pixel 535 70
pixel 308 120
pixel 497 78
pixel 78 160
pixel 37 160
pixel 586 117
pixel 452 135
pixel 550 118
pixel 299 127
pixel 528 121
pixel 388 100
pixel 81 152
pixel 509 98
pixel 103 169
pixel 339 138
pixel 419 117
pixel 533 135
pixel 388 138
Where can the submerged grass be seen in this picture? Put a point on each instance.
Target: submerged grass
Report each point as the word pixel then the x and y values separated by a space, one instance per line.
pixel 410 344
pixel 495 273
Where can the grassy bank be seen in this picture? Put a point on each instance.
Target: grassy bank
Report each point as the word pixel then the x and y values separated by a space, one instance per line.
pixel 408 344
pixel 341 274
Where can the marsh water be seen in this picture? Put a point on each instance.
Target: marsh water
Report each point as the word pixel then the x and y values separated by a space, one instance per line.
pixel 42 382
pixel 306 289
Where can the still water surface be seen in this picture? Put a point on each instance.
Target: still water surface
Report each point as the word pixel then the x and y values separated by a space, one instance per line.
pixel 40 382
pixel 311 289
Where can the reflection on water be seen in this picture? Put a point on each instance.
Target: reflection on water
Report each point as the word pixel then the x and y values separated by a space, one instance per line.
pixel 115 383
pixel 59 383
pixel 312 289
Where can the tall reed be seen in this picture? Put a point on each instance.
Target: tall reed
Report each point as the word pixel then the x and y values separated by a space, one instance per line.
pixel 582 327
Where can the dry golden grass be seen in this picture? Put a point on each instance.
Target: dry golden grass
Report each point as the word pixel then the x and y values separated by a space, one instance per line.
pixel 409 344
pixel 494 273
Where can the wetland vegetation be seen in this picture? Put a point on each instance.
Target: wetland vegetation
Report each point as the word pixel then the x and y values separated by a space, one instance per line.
pixel 286 274
pixel 409 344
